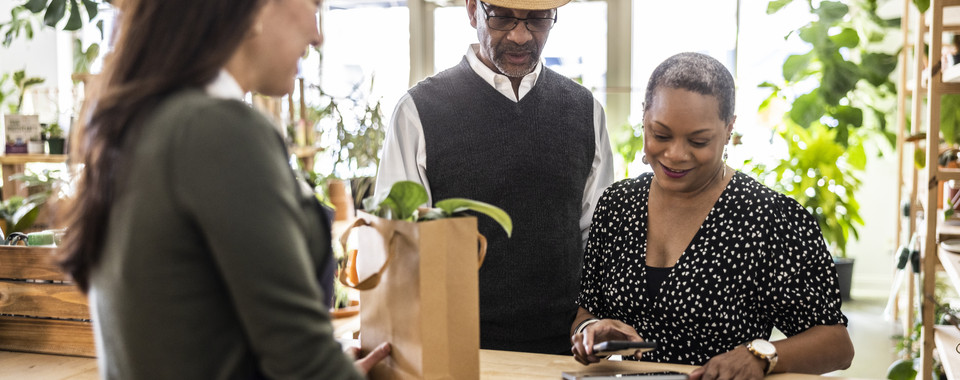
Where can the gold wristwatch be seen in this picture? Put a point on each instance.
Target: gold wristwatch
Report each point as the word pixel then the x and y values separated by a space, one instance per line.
pixel 764 350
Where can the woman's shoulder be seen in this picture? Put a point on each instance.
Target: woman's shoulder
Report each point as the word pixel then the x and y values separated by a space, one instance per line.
pixel 192 115
pixel 746 189
pixel 629 187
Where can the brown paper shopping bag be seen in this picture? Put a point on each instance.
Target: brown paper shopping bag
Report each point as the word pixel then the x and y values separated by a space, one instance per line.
pixel 423 299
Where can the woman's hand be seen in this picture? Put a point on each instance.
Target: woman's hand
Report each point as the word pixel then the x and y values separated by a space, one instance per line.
pixel 367 362
pixel 736 364
pixel 606 329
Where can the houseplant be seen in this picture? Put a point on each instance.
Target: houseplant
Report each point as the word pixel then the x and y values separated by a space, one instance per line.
pixel 55 139
pixel 838 96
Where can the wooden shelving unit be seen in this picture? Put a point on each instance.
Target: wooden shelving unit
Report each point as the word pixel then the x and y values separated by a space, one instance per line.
pixel 943 16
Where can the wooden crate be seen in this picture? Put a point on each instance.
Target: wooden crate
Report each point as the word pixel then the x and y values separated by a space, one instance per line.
pixel 40 309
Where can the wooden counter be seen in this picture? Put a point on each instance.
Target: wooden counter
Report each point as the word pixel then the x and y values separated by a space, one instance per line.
pixel 494 365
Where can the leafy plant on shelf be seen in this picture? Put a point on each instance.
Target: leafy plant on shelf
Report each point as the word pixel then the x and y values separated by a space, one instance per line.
pixel 404 199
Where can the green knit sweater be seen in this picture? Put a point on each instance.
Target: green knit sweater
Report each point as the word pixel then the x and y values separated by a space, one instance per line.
pixel 209 269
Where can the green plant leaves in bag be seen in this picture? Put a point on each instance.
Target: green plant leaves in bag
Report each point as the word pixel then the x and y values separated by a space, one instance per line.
pixel 405 197
pixel 454 205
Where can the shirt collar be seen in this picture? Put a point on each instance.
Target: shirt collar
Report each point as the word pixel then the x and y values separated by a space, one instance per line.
pixel 497 80
pixel 225 87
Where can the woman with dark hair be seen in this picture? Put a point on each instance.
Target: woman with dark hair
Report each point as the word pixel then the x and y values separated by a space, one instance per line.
pixel 701 259
pixel 203 256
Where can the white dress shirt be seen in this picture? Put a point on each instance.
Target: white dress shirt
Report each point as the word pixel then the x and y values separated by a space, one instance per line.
pixel 224 86
pixel 405 155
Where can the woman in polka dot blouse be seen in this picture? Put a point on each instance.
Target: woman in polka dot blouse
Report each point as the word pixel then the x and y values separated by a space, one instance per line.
pixel 702 259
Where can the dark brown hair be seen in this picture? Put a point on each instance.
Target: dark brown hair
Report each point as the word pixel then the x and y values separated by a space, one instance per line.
pixel 162 46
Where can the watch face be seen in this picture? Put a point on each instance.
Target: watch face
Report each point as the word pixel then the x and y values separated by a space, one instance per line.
pixel 763 347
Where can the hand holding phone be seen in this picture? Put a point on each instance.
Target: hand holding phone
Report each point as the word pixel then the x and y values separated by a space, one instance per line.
pixel 622 347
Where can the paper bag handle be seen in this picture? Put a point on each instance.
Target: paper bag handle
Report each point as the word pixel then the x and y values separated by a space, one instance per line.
pixel 374 279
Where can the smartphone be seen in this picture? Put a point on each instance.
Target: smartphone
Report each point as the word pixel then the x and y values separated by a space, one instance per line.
pixel 624 374
pixel 622 347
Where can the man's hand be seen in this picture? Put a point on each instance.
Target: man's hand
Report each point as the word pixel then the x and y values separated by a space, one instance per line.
pixel 736 364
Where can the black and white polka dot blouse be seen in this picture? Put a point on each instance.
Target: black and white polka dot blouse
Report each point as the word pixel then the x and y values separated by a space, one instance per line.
pixel 757 262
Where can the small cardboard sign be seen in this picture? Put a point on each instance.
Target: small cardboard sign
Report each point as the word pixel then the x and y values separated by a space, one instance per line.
pixel 19 130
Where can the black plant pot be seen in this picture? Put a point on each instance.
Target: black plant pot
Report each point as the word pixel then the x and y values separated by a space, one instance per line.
pixel 56 145
pixel 845 272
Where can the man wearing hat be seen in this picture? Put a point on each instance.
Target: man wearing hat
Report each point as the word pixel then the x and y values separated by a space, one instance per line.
pixel 502 128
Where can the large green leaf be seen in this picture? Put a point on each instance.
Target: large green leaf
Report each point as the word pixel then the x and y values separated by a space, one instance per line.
pixel 795 65
pixel 857 157
pixel 814 33
pixel 832 11
pixel 877 67
pixel 847 38
pixel 776 5
pixel 55 11
pixel 922 5
pixel 407 196
pixel 24 218
pixel 807 109
pixel 849 115
pixel 36 6
pixel 454 205
pixel 74 22
pixel 839 78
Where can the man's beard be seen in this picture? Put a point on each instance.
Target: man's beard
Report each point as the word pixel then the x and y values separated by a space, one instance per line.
pixel 511 70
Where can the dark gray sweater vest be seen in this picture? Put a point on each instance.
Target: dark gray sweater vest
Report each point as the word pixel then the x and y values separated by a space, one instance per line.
pixel 531 158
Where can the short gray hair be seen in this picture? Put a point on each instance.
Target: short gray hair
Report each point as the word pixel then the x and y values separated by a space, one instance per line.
pixel 698 73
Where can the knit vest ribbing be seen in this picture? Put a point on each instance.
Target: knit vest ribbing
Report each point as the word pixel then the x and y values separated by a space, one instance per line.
pixel 531 158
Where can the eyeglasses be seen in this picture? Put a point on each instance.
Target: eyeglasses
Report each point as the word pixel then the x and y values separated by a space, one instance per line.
pixel 507 23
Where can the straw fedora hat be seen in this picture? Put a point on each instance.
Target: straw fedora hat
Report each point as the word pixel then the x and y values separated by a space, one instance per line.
pixel 528 4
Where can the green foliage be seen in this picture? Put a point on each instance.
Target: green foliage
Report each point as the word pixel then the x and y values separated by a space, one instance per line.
pixel 25 18
pixel 821 174
pixel 353 132
pixel 82 58
pixel 53 131
pixel 840 94
pixel 21 83
pixel 628 140
pixel 5 89
pixel 19 214
pixel 950 118
pixel 54 11
pixel 21 21
pixel 405 198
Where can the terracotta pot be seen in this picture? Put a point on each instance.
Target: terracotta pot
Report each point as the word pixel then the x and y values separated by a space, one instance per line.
pixel 341 199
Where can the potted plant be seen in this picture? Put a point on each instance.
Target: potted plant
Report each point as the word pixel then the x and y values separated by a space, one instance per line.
pixel 838 96
pixel 55 139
